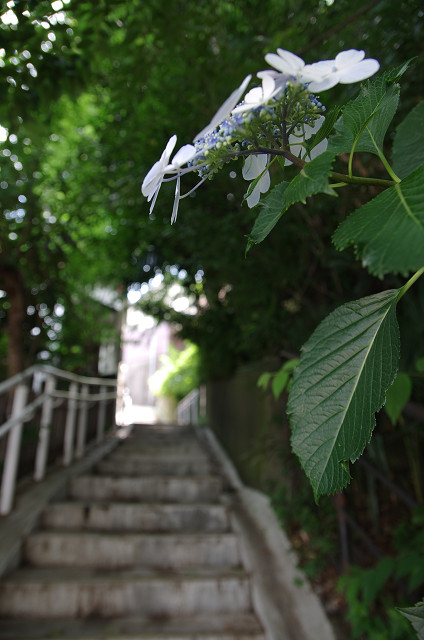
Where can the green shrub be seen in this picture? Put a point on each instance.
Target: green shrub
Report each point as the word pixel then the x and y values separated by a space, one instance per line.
pixel 179 373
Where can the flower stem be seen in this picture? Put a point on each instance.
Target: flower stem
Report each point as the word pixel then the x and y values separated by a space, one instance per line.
pixel 410 282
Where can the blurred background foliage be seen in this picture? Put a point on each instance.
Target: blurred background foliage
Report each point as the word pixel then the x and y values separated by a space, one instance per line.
pixel 90 92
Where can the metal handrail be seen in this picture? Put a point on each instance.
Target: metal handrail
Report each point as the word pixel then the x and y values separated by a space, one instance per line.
pixel 12 382
pixel 78 400
pixel 188 408
pixel 24 416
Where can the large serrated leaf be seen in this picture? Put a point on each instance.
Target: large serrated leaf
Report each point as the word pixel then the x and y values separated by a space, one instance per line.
pixel 408 145
pixel 415 615
pixel 365 120
pixel 345 369
pixel 312 179
pixel 388 231
pixel 269 214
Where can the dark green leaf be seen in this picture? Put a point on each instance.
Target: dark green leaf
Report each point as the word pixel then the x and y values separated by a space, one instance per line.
pixel 269 215
pixel 395 74
pixel 419 365
pixel 416 616
pixel 408 145
pixel 345 369
pixel 388 232
pixel 365 120
pixel 397 396
pixel 312 179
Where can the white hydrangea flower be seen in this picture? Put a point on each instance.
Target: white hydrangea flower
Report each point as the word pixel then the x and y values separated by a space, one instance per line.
pixel 303 133
pixel 253 167
pixel 259 95
pixel 225 109
pixel 183 155
pixel 347 67
pixel 153 180
pixel 286 62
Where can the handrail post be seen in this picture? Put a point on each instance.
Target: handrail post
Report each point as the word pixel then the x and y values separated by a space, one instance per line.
pixel 101 415
pixel 12 451
pixel 82 422
pixel 68 444
pixel 45 428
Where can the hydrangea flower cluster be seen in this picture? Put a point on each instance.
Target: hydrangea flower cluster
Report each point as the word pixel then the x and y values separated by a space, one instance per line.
pixel 277 117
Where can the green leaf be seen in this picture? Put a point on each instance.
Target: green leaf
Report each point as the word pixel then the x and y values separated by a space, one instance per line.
pixel 395 74
pixel 397 396
pixel 312 179
pixel 388 232
pixel 264 379
pixel 365 120
pixel 282 379
pixel 408 145
pixel 415 615
pixel 345 369
pixel 326 128
pixel 419 365
pixel 268 216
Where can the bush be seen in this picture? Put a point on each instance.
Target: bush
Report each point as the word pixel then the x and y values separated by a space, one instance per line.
pixel 179 373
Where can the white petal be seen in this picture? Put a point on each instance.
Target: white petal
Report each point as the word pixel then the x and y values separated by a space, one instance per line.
pixel 275 61
pixel 269 72
pixel 360 71
pixel 149 183
pixel 310 130
pixel 293 62
pixel 319 148
pixel 326 83
pixel 285 61
pixel 176 201
pixel 225 109
pixel 253 199
pixel 253 166
pixel 268 87
pixel 348 58
pixel 156 172
pixel 169 149
pixel 183 155
pixel 264 182
pixel 254 96
pixel 155 197
pixel 317 71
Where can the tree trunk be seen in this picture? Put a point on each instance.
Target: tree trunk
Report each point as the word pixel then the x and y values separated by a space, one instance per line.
pixel 11 282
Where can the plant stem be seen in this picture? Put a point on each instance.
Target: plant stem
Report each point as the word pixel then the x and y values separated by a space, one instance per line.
pixel 410 282
pixel 387 166
pixel 341 177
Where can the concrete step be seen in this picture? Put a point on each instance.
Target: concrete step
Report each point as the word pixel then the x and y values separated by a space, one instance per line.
pixel 149 489
pixel 190 448
pixel 161 437
pixel 50 593
pixel 120 551
pixel 240 626
pixel 144 464
pixel 116 516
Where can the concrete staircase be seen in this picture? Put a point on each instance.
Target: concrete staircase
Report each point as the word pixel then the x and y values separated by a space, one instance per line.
pixel 142 547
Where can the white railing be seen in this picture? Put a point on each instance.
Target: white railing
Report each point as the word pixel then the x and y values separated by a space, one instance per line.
pixel 36 395
pixel 191 408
